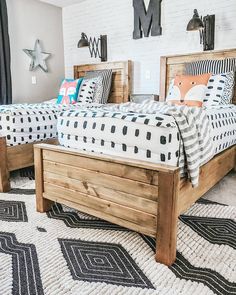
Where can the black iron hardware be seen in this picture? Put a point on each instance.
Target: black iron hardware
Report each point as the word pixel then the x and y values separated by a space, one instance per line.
pixel 206 27
pixel 97 47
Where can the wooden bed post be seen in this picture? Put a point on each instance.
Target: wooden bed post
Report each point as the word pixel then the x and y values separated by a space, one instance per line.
pixel 4 173
pixel 235 160
pixel 43 205
pixel 167 217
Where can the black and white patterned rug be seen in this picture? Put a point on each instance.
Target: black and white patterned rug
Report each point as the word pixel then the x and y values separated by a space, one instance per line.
pixel 65 252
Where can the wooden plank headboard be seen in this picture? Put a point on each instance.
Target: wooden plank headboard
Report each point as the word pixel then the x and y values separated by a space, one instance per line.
pixel 121 78
pixel 175 64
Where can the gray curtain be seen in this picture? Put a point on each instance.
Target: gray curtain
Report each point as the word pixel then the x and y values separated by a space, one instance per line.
pixel 5 57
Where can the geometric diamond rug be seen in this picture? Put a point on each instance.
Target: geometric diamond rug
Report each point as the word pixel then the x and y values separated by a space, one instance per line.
pixel 65 252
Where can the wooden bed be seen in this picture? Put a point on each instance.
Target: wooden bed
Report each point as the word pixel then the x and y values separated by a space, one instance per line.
pixel 21 156
pixel 141 196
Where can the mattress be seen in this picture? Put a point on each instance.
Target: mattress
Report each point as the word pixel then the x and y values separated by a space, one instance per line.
pixel 223 126
pixel 149 137
pixel 141 137
pixel 27 123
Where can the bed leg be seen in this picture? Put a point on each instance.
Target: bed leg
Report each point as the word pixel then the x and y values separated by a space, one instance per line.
pixel 4 173
pixel 42 204
pixel 235 160
pixel 167 218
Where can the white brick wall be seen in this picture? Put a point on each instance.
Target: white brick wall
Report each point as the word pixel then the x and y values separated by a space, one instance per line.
pixel 115 18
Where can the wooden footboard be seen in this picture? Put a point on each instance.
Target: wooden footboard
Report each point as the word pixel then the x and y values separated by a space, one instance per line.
pixel 141 196
pixel 13 158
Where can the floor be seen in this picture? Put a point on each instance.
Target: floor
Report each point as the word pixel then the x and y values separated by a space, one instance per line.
pixel 225 191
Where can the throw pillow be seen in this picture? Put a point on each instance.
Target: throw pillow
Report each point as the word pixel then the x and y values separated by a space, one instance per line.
pixel 87 89
pixel 215 89
pixel 68 92
pixel 188 90
pixel 228 93
pixel 103 86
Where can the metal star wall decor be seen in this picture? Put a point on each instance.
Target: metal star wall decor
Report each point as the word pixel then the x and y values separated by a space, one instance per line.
pixel 38 57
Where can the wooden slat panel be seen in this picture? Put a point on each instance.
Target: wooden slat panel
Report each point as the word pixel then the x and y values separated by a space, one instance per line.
pixel 116 99
pixel 174 70
pixel 116 65
pixel 114 196
pixel 117 77
pixel 21 156
pixel 116 220
pixel 117 93
pixel 117 89
pixel 106 158
pixel 190 57
pixel 87 176
pixel 101 205
pixel 123 171
pixel 116 83
pixel 218 167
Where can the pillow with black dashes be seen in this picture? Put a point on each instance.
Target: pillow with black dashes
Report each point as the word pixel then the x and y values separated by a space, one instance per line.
pixel 87 89
pixel 215 89
pixel 228 93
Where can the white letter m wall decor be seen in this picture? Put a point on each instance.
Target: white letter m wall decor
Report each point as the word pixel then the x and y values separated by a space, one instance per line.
pixel 147 20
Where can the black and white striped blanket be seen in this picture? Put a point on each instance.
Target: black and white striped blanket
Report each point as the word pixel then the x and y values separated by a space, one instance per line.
pixel 194 128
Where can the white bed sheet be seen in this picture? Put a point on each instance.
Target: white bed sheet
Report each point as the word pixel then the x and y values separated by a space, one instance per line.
pixel 116 134
pixel 27 123
pixel 145 138
pixel 223 126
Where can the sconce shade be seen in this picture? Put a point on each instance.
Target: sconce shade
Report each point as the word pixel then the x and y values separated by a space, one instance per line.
pixel 83 42
pixel 195 23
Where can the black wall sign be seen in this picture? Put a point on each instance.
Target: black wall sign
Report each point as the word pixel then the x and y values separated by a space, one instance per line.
pixel 146 21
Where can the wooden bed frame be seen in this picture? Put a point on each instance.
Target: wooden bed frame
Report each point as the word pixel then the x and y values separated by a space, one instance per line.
pixel 21 156
pixel 141 196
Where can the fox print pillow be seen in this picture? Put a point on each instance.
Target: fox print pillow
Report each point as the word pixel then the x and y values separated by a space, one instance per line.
pixel 188 90
pixel 68 92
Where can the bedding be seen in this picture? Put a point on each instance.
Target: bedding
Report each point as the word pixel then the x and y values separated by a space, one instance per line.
pixel 152 131
pixel 143 137
pixel 26 123
pixel 223 126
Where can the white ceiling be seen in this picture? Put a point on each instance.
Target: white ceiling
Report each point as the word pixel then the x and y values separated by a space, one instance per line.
pixel 62 3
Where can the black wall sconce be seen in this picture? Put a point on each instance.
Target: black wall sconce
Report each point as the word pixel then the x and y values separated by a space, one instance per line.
pixel 97 47
pixel 206 27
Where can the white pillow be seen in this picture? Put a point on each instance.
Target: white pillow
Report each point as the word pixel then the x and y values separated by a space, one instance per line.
pixel 87 89
pixel 229 88
pixel 215 90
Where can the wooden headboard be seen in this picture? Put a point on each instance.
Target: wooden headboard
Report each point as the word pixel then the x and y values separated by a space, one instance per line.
pixel 121 78
pixel 175 64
